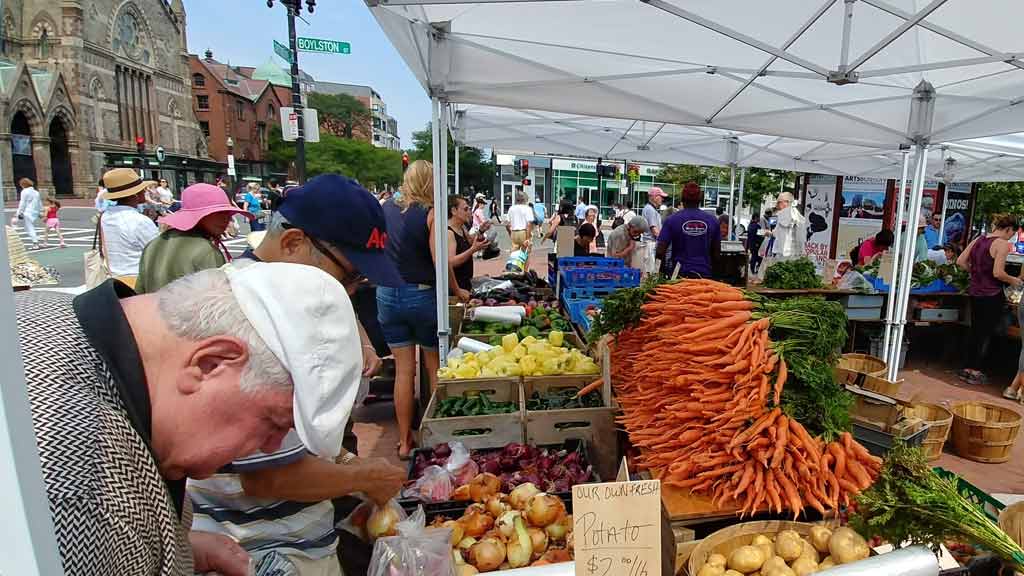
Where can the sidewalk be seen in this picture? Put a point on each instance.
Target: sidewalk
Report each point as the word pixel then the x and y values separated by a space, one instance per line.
pixel 64 202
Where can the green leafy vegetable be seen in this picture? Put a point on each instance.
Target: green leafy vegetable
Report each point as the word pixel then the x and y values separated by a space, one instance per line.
pixel 910 502
pixel 622 309
pixel 792 275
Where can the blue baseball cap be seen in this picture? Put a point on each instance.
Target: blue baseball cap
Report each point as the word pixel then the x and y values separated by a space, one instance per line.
pixel 337 210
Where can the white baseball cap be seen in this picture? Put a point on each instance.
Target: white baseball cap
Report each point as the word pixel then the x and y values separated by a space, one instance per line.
pixel 305 318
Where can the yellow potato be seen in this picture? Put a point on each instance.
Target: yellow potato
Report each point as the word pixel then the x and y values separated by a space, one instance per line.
pixel 826 563
pixel 819 538
pixel 746 559
pixel 788 545
pixel 709 570
pixel 804 566
pixel 732 573
pixel 847 546
pixel 809 552
pixel 773 563
pixel 716 560
pixel 780 571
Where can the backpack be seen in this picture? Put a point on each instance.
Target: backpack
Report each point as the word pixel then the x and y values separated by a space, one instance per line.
pixel 618 221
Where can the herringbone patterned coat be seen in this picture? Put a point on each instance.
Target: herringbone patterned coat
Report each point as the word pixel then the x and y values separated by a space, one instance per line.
pixel 111 509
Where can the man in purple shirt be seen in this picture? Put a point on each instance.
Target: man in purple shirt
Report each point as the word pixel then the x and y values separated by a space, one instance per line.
pixel 693 235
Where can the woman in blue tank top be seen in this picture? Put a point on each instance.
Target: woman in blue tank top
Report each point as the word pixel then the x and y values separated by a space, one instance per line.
pixel 408 315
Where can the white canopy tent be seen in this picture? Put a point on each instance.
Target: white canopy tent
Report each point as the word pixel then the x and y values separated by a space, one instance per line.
pixel 555 133
pixel 888 74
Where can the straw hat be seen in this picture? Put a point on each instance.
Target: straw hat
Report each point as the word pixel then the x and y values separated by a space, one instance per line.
pixel 122 183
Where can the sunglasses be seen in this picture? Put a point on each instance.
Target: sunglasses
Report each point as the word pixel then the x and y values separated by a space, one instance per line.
pixel 351 276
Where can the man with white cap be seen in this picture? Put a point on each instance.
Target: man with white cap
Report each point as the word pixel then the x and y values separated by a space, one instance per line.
pixel 279 503
pixel 130 395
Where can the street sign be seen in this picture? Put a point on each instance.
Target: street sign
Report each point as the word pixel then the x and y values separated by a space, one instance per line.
pixel 319 45
pixel 290 124
pixel 161 155
pixel 283 51
pixel 231 164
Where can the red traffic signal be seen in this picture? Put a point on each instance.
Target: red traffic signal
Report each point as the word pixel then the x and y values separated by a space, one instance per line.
pixel 405 160
pixel 140 144
pixel 526 182
pixel 524 166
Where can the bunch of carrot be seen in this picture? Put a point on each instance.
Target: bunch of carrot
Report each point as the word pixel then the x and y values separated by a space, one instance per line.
pixel 700 383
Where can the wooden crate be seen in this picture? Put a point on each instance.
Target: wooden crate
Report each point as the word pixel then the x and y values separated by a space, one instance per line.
pixel 491 431
pixel 571 339
pixel 594 425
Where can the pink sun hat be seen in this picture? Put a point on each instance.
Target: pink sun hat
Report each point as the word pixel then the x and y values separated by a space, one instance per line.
pixel 197 202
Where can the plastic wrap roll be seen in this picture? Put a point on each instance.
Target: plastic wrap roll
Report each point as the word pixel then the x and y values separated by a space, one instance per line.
pixel 489 314
pixel 519 310
pixel 913 561
pixel 470 345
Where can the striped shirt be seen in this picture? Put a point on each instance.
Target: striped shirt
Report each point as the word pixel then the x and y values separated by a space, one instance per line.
pixel 261 525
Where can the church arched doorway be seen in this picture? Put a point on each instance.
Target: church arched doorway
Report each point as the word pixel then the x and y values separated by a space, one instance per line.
pixel 21 148
pixel 60 159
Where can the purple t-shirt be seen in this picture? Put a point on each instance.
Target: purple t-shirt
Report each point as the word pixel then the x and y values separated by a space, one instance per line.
pixel 691 233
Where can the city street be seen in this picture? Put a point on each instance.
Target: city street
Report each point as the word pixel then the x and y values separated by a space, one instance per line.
pixel 79 228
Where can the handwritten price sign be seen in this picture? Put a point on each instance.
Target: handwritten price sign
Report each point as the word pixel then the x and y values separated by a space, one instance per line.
pixel 617 528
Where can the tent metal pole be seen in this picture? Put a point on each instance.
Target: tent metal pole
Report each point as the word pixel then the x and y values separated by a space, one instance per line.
pixel 899 31
pixel 890 313
pixel 908 258
pixel 458 188
pixel 844 57
pixel 732 192
pixel 440 138
pixel 739 201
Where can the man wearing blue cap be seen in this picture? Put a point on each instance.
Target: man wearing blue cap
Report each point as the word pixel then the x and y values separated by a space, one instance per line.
pixel 280 503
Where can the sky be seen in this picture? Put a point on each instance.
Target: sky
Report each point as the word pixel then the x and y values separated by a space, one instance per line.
pixel 241 33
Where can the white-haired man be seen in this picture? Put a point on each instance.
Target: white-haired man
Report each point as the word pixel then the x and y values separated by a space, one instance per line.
pixel 132 394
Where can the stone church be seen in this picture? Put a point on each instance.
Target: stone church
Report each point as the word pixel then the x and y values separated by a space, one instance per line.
pixel 81 80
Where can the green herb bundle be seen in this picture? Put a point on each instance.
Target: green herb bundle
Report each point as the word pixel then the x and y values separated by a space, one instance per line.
pixel 623 308
pixel 909 502
pixel 792 275
pixel 809 332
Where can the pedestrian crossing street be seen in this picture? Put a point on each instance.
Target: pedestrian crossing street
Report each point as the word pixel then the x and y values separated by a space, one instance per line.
pixel 82 238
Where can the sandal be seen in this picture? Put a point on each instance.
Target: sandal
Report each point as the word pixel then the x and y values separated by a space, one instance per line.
pixel 1011 394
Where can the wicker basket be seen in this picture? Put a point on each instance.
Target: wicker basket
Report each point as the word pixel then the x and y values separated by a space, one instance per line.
pixel 984 432
pixel 864 364
pixel 939 421
pixel 728 539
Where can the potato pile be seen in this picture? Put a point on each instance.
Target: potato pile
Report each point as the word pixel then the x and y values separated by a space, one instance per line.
pixel 789 554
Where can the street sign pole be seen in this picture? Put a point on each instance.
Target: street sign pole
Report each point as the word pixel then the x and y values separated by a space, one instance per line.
pixel 300 144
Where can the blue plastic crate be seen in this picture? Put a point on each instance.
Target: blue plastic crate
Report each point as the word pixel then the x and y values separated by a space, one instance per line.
pixel 588 262
pixel 933 287
pixel 589 293
pixel 577 311
pixel 615 277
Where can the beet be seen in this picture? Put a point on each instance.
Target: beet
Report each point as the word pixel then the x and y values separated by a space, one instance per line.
pixel 442 451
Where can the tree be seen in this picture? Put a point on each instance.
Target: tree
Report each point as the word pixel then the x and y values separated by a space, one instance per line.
pixel 998 198
pixel 342 115
pixel 758 183
pixel 474 169
pixel 372 167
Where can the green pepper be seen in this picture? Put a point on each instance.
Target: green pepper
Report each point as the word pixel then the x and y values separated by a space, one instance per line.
pixel 486 403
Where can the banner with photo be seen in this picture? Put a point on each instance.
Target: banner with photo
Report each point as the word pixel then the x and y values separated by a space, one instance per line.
pixel 819 206
pixel 955 225
pixel 863 198
pixel 861 215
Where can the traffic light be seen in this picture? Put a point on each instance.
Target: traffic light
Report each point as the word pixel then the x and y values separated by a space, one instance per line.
pixel 524 166
pixel 405 161
pixel 140 144
pixel 517 168
pixel 526 182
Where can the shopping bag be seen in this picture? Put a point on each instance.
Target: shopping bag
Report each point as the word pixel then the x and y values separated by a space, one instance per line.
pixel 94 263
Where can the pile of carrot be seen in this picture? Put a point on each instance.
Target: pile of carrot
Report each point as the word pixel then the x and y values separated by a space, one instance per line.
pixel 700 384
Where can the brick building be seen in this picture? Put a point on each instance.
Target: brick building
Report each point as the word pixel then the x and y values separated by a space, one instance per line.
pixel 237 106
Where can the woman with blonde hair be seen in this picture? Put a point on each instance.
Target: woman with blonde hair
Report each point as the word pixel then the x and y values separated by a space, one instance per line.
pixel 408 315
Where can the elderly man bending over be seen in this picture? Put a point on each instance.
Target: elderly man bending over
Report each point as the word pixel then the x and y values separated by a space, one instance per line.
pixel 132 394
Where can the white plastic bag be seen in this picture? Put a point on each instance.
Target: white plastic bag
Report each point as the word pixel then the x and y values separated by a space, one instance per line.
pixel 415 551
pixel 854 280
pixel 460 464
pixel 434 485
pixel 361 520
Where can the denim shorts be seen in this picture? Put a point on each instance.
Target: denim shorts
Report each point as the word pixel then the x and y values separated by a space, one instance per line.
pixel 408 315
